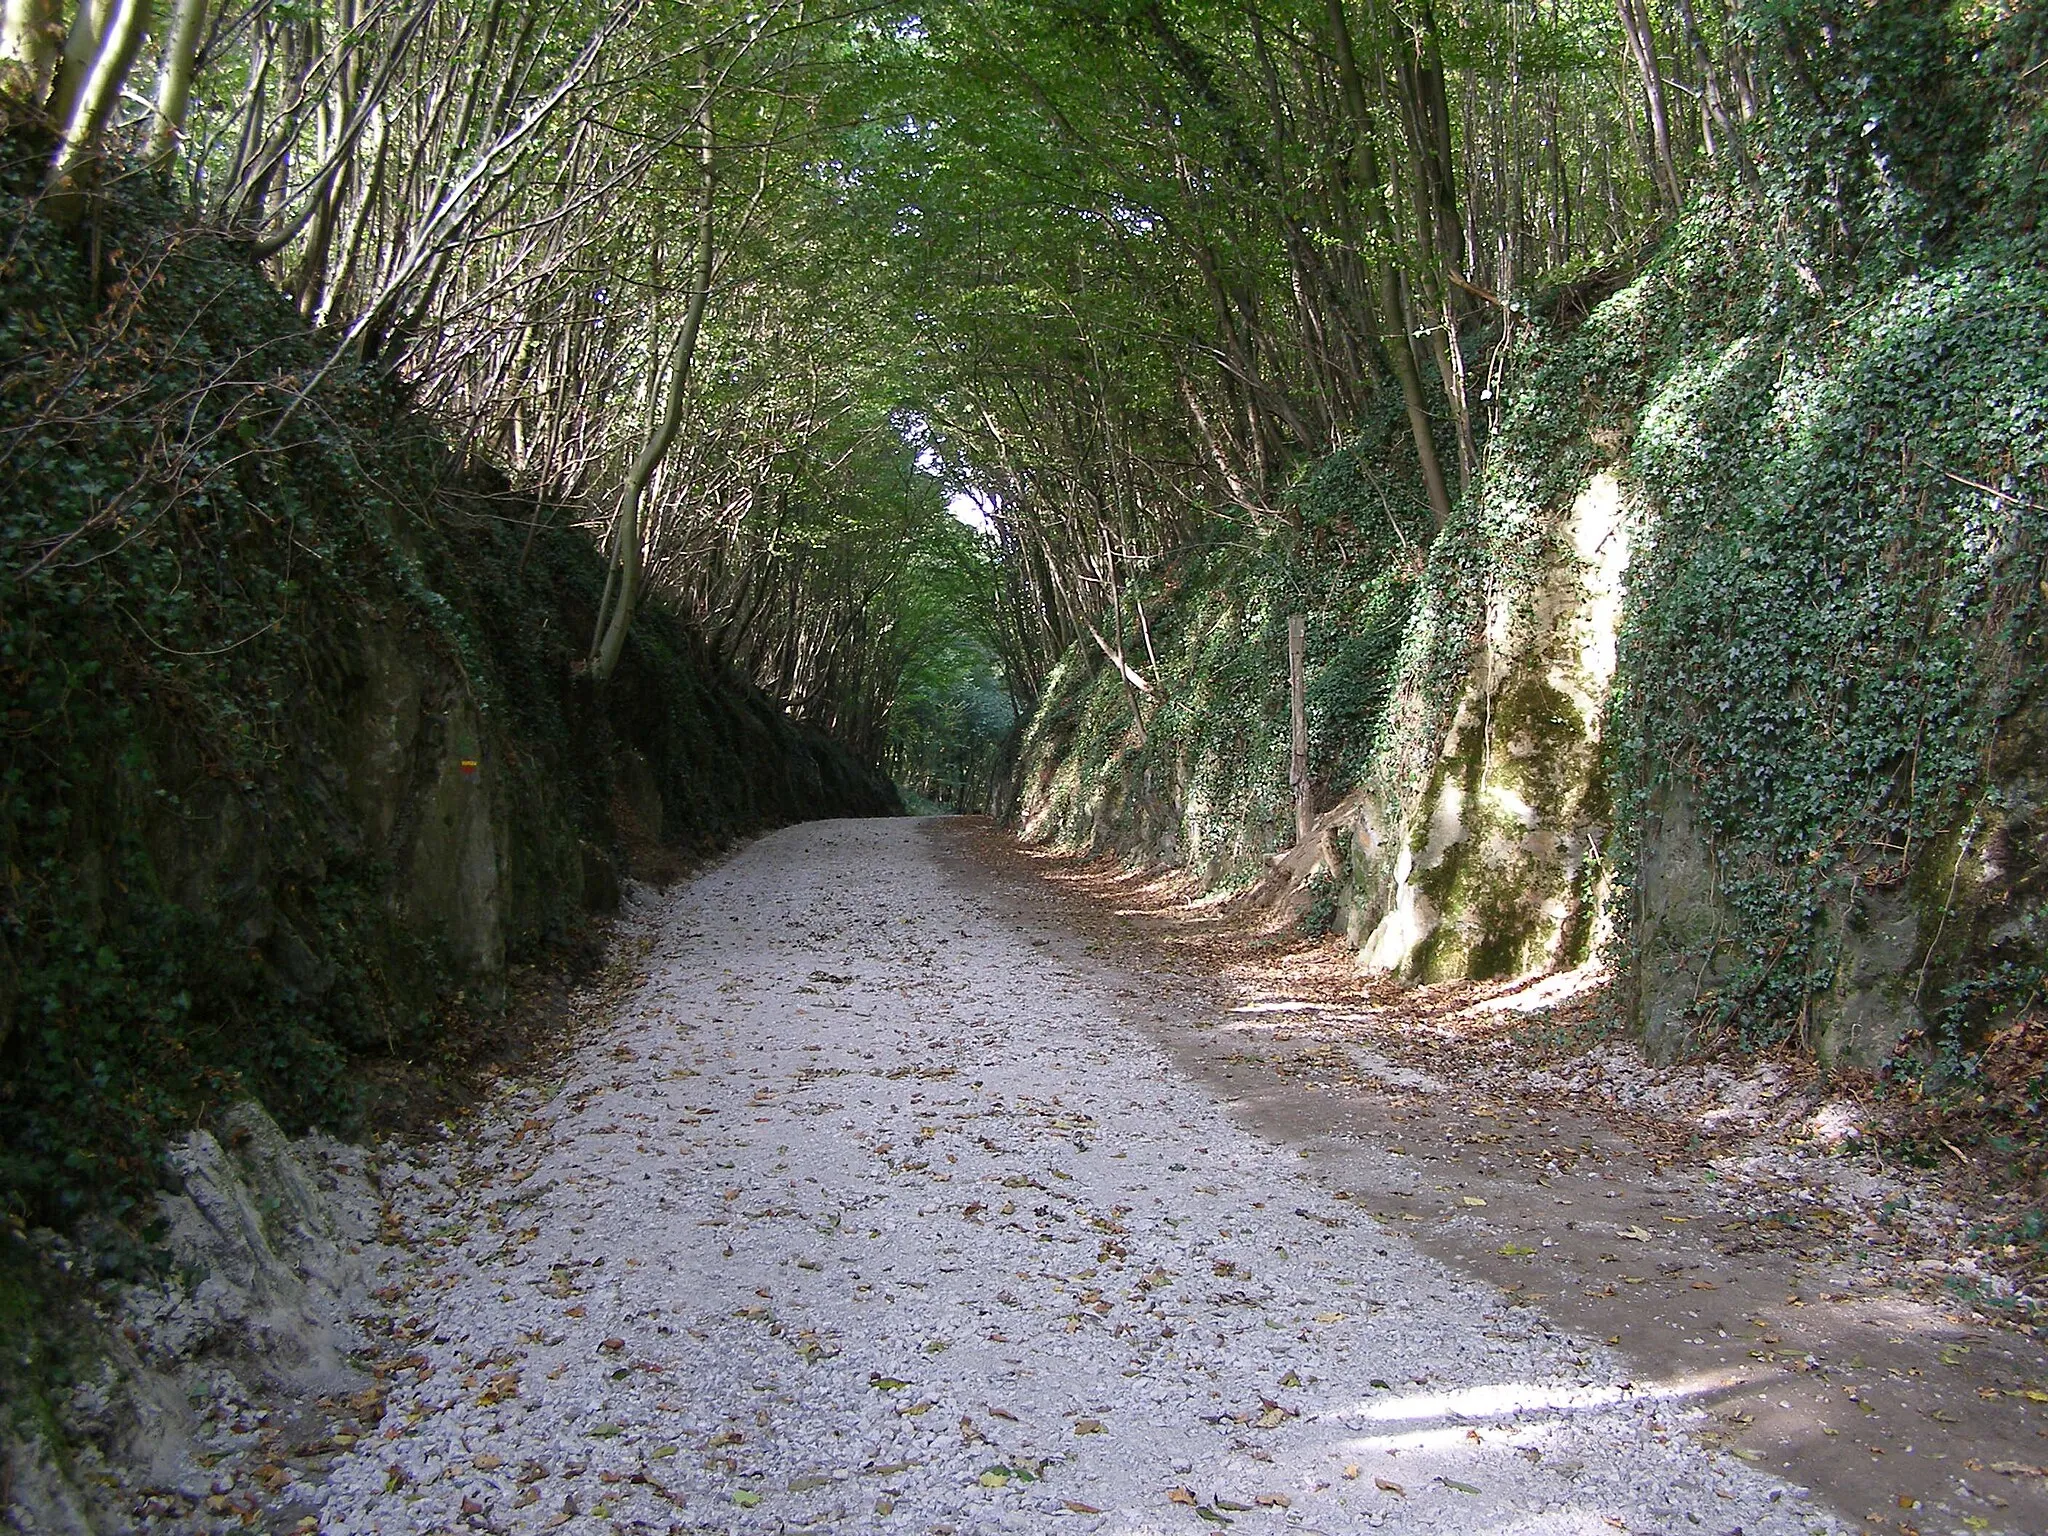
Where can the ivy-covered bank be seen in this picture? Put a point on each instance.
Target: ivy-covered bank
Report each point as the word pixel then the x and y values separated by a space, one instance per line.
pixel 296 757
pixel 1730 662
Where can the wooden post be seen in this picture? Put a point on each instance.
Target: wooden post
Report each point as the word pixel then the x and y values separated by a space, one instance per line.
pixel 1297 689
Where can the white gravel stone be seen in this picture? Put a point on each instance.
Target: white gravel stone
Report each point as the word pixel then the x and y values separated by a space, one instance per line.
pixel 864 1213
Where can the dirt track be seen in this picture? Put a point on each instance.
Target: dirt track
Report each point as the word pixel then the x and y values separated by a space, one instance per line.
pixel 870 1208
pixel 1801 1293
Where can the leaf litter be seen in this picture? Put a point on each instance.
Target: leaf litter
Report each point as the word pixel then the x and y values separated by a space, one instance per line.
pixel 774 1273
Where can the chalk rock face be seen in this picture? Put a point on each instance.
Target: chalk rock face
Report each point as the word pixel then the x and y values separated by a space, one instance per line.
pixel 276 1277
pixel 1494 879
pixel 270 1245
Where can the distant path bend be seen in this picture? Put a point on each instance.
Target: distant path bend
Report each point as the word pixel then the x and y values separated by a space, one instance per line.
pixel 863 1213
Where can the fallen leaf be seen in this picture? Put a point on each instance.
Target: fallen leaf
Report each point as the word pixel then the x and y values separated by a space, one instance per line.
pixel 1274 1501
pixel 2018 1469
pixel 1211 1516
pixel 887 1383
pixel 1090 1427
pixel 746 1499
pixel 1326 1317
pixel 1077 1507
pixel 1232 1505
pixel 1514 1251
pixel 1635 1234
pixel 1471 1200
pixel 1452 1482
pixel 1351 1472
pixel 1386 1485
pixel 1180 1496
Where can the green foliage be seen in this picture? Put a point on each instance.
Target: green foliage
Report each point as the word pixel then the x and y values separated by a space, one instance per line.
pixel 1901 132
pixel 1835 607
pixel 166 560
pixel 1207 777
pixel 215 572
pixel 1319 917
pixel 1828 401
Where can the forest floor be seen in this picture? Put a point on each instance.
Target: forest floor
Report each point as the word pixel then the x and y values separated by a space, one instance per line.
pixel 898 1179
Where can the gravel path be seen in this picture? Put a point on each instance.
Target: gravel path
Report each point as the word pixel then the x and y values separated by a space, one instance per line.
pixel 863 1214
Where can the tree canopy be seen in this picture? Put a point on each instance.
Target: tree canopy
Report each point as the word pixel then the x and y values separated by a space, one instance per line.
pixel 762 288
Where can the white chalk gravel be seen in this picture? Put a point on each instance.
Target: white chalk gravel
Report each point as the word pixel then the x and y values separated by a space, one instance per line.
pixel 865 1213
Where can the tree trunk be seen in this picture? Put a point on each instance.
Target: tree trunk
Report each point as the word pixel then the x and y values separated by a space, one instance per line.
pixel 174 83
pixel 115 56
pixel 81 45
pixel 1393 313
pixel 1642 47
pixel 29 30
pixel 609 641
pixel 1297 697
pixel 1731 139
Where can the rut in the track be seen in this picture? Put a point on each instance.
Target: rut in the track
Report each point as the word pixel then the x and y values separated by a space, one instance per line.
pixel 860 1212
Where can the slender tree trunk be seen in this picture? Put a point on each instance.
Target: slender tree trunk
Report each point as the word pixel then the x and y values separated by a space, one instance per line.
pixel 1297 698
pixel 1731 139
pixel 81 45
pixel 609 642
pixel 1642 47
pixel 174 83
pixel 1393 312
pixel 29 33
pixel 118 45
